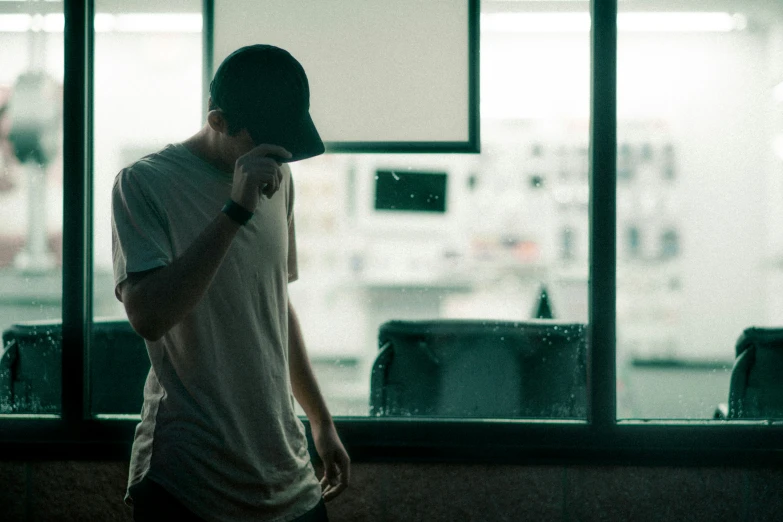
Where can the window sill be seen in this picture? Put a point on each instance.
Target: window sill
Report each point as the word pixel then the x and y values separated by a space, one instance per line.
pixel 700 443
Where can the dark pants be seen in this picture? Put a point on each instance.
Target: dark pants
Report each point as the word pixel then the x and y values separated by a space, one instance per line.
pixel 152 503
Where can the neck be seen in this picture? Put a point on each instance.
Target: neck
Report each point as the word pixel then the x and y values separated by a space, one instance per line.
pixel 204 145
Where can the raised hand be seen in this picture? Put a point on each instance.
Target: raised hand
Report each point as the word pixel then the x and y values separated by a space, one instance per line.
pixel 257 172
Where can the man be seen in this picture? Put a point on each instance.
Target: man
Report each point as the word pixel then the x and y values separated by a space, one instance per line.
pixel 204 247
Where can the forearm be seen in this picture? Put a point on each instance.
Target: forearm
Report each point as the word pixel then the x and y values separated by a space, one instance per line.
pixel 163 298
pixel 303 381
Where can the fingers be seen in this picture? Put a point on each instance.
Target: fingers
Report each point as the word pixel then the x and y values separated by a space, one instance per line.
pixel 267 173
pixel 267 149
pixel 330 490
pixel 258 173
pixel 333 491
pixel 274 185
pixel 336 479
pixel 346 467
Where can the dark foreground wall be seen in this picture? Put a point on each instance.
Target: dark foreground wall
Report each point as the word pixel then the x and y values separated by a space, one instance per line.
pixel 92 491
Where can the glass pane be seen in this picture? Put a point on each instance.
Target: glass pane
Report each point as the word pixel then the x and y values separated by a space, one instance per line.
pixel 147 94
pixel 460 248
pixel 464 251
pixel 699 193
pixel 31 206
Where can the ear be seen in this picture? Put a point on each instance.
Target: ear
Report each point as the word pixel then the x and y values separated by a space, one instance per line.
pixel 217 121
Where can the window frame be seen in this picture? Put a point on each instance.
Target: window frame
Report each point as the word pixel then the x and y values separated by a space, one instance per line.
pixel 473 142
pixel 601 439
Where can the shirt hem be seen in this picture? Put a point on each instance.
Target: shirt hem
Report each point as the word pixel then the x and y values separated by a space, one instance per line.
pixel 174 492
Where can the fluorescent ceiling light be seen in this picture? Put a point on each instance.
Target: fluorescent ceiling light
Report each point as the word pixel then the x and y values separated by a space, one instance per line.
pixel 535 22
pixel 54 23
pixel 104 23
pixel 680 22
pixel 491 22
pixel 631 22
pixel 158 23
pixel 15 23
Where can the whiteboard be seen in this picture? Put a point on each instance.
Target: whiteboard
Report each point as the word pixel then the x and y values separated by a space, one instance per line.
pixel 384 75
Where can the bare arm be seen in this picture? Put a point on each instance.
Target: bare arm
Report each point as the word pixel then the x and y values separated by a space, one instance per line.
pixel 337 463
pixel 303 380
pixel 158 299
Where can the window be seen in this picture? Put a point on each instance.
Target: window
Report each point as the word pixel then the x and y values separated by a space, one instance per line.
pixel 680 211
pixel 150 64
pixel 31 204
pixel 699 196
pixel 380 237
pixel 445 238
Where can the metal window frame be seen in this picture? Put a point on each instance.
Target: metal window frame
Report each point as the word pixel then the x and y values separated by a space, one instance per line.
pixel 601 439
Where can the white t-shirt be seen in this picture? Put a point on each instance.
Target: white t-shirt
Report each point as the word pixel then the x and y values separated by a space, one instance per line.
pixel 218 428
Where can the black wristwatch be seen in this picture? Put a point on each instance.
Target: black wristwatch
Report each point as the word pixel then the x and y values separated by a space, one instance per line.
pixel 236 212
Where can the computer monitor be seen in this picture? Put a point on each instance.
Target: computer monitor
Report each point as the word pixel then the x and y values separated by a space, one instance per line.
pixel 410 191
pixel 416 196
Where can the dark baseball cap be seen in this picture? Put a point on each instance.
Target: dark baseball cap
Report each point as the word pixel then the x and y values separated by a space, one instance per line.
pixel 265 90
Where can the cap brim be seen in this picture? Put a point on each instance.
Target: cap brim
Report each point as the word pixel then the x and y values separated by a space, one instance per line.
pixel 300 138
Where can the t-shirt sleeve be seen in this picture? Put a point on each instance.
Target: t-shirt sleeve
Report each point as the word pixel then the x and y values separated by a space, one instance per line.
pixel 139 235
pixel 293 267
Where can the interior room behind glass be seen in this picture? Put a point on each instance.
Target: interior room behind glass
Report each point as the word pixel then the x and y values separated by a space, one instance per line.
pixel 499 236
